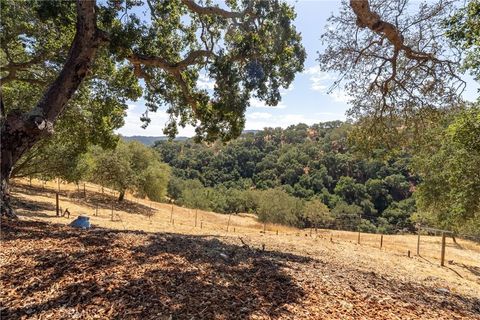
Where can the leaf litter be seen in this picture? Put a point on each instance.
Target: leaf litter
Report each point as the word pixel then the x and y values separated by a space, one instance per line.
pixel 51 271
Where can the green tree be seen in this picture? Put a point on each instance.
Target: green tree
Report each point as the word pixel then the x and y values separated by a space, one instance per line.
pixel 131 166
pixel 398 186
pixel 400 70
pixel 153 181
pixel 317 214
pixel 379 193
pixel 464 29
pixel 449 193
pixel 398 215
pixel 347 217
pixel 350 191
pixel 113 168
pixel 249 48
pixel 277 206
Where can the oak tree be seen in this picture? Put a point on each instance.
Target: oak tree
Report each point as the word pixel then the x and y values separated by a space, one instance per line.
pixel 396 63
pixel 249 48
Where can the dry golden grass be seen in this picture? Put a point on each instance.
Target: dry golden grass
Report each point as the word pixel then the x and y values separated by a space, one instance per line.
pixel 461 273
pixel 133 214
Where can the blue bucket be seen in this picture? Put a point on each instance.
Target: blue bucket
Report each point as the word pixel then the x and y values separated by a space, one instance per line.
pixel 82 222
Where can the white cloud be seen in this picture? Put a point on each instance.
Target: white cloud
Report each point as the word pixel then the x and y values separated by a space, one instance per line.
pixel 259 115
pixel 258 123
pixel 318 78
pixel 322 81
pixel 257 103
pixel 133 124
pixel 205 82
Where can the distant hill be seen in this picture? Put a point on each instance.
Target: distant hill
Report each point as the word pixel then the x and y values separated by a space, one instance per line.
pixel 150 140
pixel 250 131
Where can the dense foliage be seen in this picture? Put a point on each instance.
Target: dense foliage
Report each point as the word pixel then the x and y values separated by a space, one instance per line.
pixel 449 195
pixel 130 166
pixel 302 176
pixel 56 56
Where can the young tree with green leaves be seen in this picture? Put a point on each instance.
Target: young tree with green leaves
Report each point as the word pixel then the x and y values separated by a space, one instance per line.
pixel 131 166
pixel 277 206
pixel 316 214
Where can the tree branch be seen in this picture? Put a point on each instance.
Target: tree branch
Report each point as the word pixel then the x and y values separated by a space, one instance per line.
pixel 210 10
pixel 12 76
pixel 80 57
pixel 172 67
pixel 366 18
pixel 19 131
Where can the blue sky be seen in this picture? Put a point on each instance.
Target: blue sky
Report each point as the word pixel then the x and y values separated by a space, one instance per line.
pixel 305 101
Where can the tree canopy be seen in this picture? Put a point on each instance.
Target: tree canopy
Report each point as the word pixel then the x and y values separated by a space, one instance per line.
pixel 130 166
pixel 309 170
pixel 401 62
pixel 248 48
pixel 57 54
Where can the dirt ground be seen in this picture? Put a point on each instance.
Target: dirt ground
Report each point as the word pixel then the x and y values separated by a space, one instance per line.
pixel 166 270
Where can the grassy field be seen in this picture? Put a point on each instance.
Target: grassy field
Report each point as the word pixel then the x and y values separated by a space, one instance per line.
pixel 357 280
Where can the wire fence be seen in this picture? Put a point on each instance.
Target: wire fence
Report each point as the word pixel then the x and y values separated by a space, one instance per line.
pixel 102 204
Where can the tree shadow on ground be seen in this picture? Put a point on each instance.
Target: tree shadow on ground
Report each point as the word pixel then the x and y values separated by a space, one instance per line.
pixel 135 275
pixel 102 201
pixel 32 208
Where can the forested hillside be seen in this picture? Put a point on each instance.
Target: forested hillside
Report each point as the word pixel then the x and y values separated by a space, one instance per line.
pixel 302 175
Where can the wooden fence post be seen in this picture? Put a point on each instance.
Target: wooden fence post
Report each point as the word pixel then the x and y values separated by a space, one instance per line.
pixel 442 258
pixel 264 227
pixel 358 240
pixel 228 223
pixel 418 241
pixel 381 241
pixel 196 214
pixel 84 191
pixel 57 204
pixel 171 216
pixel 201 224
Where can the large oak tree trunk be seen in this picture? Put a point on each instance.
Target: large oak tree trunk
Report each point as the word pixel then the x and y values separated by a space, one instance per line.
pixel 4 185
pixel 20 131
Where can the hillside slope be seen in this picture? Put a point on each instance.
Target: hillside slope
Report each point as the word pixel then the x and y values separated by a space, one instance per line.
pixel 144 267
pixel 52 271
